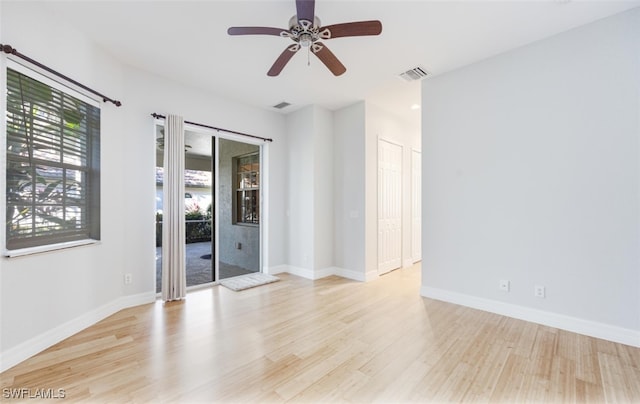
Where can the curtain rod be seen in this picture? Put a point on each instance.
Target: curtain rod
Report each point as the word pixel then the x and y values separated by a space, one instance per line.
pixel 13 51
pixel 158 116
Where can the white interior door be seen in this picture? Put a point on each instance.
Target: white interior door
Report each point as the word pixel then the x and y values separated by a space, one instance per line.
pixel 389 206
pixel 416 206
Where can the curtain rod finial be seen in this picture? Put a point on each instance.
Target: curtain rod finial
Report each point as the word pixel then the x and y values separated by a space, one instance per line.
pixel 114 102
pixel 8 49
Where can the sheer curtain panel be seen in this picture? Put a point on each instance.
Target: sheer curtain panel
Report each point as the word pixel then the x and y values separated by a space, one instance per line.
pixel 174 279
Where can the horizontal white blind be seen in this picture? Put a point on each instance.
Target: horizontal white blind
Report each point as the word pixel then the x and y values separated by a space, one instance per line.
pixel 53 161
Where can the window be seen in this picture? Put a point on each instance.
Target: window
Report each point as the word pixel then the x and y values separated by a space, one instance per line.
pixel 247 185
pixel 53 163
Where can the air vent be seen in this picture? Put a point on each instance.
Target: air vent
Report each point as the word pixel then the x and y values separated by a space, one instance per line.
pixel 283 104
pixel 417 73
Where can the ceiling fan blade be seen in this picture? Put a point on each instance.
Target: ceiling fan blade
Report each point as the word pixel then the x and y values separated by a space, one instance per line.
pixel 256 31
pixel 305 9
pixel 359 28
pixel 328 58
pixel 283 59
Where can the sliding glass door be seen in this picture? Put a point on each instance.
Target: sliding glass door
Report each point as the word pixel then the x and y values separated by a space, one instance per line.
pixel 199 208
pixel 222 207
pixel 238 208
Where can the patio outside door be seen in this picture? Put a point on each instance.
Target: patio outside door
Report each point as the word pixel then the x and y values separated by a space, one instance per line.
pixel 222 207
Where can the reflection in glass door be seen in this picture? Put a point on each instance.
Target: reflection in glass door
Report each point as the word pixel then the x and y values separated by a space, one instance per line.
pixel 199 209
pixel 238 208
pixel 222 207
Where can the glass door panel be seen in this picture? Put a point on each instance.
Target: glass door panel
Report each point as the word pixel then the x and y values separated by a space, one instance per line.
pixel 199 209
pixel 238 204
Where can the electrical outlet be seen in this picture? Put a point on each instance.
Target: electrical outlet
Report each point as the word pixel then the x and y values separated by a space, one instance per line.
pixel 504 285
pixel 128 278
pixel 538 291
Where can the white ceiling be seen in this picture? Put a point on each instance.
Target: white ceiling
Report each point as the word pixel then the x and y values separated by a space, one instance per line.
pixel 186 41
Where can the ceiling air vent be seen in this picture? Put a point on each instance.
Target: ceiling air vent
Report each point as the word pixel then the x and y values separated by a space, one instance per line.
pixel 283 104
pixel 417 73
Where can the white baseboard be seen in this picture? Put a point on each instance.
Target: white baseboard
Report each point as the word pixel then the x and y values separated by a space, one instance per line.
pixel 323 273
pixel 371 276
pixel 27 349
pixel 278 269
pixel 301 272
pixel 350 274
pixel 408 263
pixel 310 273
pixel 560 321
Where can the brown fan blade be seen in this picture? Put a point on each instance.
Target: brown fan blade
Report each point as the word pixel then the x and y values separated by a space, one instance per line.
pixel 328 58
pixel 283 59
pixel 305 9
pixel 256 31
pixel 359 28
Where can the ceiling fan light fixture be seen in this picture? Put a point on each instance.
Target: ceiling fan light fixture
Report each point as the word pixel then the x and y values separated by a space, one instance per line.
pixel 305 40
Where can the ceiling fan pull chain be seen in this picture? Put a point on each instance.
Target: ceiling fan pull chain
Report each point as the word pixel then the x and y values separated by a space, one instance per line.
pixel 308 56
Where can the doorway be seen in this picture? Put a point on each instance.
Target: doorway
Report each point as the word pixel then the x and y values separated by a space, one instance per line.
pixel 222 207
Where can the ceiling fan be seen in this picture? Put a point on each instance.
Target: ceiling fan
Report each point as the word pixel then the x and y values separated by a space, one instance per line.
pixel 306 31
pixel 160 141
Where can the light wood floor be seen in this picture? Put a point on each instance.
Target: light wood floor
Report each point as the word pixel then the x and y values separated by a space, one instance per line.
pixel 331 340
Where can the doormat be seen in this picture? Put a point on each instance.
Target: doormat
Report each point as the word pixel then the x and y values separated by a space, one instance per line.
pixel 243 282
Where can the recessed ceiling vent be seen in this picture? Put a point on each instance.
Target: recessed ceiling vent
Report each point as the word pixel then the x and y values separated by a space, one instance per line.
pixel 417 73
pixel 283 104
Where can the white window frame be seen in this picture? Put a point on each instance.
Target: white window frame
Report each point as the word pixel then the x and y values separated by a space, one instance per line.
pixel 44 77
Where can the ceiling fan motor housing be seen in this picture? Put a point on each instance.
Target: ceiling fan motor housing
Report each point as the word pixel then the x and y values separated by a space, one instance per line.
pixel 305 32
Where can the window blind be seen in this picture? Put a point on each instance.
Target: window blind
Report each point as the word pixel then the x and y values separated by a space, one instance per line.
pixel 53 165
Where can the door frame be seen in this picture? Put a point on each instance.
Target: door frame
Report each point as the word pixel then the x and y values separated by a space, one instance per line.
pixel 388 267
pixel 416 205
pixel 264 220
pixel 264 192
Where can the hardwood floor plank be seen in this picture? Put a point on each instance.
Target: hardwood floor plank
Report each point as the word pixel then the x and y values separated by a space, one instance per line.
pixel 562 384
pixel 490 366
pixel 589 392
pixel 329 340
pixel 509 385
pixel 620 382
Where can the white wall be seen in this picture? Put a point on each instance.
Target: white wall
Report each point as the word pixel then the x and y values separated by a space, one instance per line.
pixel 310 191
pixel 349 187
pixel 300 201
pixel 323 188
pixel 46 297
pixel 531 174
